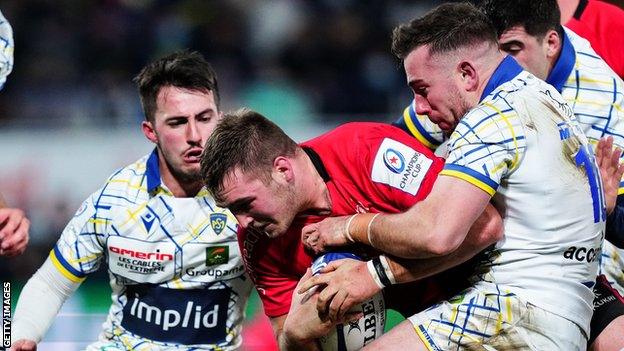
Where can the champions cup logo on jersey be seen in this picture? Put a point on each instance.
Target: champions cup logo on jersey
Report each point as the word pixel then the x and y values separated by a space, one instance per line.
pixel 218 222
pixel 394 161
pixel 400 166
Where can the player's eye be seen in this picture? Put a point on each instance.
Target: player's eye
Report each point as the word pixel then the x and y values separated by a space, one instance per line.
pixel 176 121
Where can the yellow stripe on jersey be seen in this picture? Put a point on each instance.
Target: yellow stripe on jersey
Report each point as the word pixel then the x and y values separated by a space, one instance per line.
pixel 67 274
pixel 474 181
pixel 514 162
pixel 412 128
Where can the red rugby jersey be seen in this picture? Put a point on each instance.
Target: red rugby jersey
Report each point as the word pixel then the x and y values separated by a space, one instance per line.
pixel 368 167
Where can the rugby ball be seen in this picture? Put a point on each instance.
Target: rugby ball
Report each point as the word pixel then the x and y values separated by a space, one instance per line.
pixel 354 335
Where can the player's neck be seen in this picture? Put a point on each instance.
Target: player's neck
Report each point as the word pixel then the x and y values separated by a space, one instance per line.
pixel 567 8
pixel 313 188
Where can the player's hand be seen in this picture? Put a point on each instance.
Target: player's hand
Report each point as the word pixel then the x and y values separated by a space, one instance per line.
pixel 346 282
pixel 13 231
pixel 24 345
pixel 330 232
pixel 303 323
pixel 611 171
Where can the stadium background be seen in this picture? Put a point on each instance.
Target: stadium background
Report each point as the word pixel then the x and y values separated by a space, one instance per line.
pixel 69 114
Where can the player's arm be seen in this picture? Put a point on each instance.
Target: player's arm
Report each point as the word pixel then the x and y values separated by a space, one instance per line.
pixel 436 226
pixel 39 302
pixel 349 282
pixel 486 231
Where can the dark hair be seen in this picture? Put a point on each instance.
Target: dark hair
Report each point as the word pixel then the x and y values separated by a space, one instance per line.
pixel 246 140
pixel 182 69
pixel 536 16
pixel 447 27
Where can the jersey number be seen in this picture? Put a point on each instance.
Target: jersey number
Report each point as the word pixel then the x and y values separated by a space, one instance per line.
pixel 585 157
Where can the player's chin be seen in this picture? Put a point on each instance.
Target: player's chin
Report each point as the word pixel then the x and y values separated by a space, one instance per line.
pixel 274 231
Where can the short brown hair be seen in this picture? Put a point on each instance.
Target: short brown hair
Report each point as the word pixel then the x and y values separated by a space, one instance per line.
pixel 447 27
pixel 182 69
pixel 246 140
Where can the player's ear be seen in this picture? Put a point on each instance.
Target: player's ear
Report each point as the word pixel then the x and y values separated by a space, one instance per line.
pixel 468 75
pixel 552 40
pixel 283 169
pixel 149 131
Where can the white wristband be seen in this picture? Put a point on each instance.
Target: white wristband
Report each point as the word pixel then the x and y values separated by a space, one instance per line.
pixel 347 233
pixel 386 266
pixel 374 275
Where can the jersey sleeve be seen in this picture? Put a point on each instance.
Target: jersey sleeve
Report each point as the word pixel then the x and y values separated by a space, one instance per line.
pixel 402 169
pixel 420 127
pixel 79 251
pixel 487 144
pixel 6 49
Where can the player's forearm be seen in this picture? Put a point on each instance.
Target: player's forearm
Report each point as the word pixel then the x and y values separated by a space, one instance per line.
pixel 404 235
pixel 39 302
pixel 487 230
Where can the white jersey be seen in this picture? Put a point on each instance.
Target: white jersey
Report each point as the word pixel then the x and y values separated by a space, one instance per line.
pixel 596 95
pixel 6 49
pixel 176 272
pixel 522 145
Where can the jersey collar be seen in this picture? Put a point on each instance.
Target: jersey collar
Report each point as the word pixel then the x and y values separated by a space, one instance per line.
pixel 564 65
pixel 317 162
pixel 152 172
pixel 506 71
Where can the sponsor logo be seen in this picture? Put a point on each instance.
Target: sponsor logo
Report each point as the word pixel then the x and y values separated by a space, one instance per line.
pixel 394 161
pixel 370 321
pixel 140 261
pixel 218 222
pixel 217 255
pixel 582 254
pixel 141 255
pixel 400 166
pixel 217 273
pixel 195 316
pixel 148 220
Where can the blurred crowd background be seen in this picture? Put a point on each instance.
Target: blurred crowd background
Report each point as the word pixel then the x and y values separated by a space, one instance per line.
pixel 70 114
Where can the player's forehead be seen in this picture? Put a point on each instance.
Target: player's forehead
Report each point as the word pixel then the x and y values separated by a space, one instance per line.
pixel 515 33
pixel 238 185
pixel 423 68
pixel 176 101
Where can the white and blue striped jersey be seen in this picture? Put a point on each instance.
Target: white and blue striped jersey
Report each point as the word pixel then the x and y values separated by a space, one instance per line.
pixel 522 146
pixel 596 95
pixel 176 273
pixel 6 49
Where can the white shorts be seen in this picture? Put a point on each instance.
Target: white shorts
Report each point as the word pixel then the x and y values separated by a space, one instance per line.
pixel 486 318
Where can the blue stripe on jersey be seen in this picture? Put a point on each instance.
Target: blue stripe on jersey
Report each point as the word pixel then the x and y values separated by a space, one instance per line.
pixel 589 55
pixel 66 265
pixel 564 65
pixel 506 71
